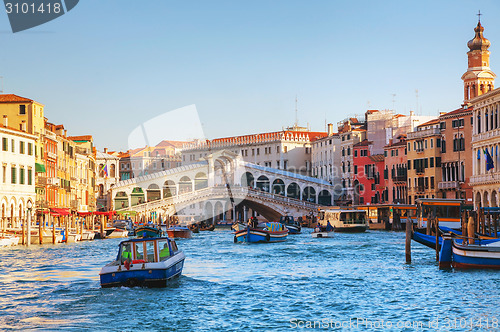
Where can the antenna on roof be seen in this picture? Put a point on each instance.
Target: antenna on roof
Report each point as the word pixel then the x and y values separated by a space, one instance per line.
pixel 393 100
pixel 416 94
pixel 296 118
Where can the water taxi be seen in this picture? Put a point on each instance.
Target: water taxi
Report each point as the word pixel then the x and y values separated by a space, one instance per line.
pixel 179 232
pixel 148 262
pixel 344 220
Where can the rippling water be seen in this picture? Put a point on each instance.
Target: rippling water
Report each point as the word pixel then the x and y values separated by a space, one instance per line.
pixel 227 286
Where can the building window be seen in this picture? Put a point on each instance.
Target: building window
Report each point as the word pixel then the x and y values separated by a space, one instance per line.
pixel 5 144
pixel 22 109
pixel 13 175
pixel 21 147
pixel 258 151
pixel 30 149
pixel 21 175
pixel 12 145
pixel 355 153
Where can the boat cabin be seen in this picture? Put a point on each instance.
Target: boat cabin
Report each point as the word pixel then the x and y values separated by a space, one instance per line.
pixel 448 211
pixel 147 250
pixel 342 217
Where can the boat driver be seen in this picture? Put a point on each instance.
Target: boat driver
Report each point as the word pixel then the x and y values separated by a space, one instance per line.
pixel 165 252
pixel 126 253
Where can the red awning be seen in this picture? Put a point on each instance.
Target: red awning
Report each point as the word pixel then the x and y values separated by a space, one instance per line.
pixel 59 212
pixel 84 213
pixel 107 213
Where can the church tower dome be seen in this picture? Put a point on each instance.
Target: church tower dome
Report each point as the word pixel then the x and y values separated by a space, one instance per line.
pixel 478 79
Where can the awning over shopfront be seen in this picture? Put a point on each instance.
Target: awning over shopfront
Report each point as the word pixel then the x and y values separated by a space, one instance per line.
pixel 40 168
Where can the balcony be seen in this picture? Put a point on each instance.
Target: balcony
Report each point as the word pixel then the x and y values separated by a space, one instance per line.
pixel 399 178
pixel 486 135
pixel 424 133
pixel 448 185
pixel 420 170
pixel 420 189
pixel 40 181
pixel 484 179
pixel 52 155
pixel 53 181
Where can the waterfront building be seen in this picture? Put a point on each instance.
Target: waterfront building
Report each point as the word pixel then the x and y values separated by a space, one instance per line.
pixel 125 168
pixel 107 176
pixel 17 174
pixel 456 159
pixel 351 132
pixel 27 115
pixel 424 161
pixel 369 185
pixel 395 172
pixel 480 95
pixel 289 149
pixel 325 158
pixel 49 180
pixel 84 173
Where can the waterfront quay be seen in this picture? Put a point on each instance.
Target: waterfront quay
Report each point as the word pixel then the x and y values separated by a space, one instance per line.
pixel 227 287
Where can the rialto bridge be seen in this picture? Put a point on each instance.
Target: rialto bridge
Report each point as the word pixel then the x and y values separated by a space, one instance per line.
pixel 222 187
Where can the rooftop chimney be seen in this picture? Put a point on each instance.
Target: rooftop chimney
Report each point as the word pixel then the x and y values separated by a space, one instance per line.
pixel 105 150
pixel 5 121
pixel 330 129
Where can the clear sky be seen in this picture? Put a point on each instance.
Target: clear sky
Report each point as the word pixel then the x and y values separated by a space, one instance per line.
pixel 109 65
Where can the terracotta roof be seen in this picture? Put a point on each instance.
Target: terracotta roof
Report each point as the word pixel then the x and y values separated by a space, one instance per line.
pixel 429 123
pixel 457 112
pixel 176 144
pixel 365 142
pixel 254 138
pixel 400 143
pixel 80 138
pixel 11 98
pixel 14 129
pixel 377 157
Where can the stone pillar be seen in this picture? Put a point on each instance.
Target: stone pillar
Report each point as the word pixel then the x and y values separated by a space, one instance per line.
pixel 245 213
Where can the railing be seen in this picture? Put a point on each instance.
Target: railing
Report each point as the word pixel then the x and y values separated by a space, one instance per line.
pixel 238 192
pixel 484 178
pixel 41 181
pixel 448 185
pixel 52 155
pixel 424 133
pixel 399 178
pixel 420 170
pixel 486 135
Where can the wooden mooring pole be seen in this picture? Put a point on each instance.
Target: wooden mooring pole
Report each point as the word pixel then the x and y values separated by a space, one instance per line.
pixel 436 229
pixel 40 230
pixel 409 228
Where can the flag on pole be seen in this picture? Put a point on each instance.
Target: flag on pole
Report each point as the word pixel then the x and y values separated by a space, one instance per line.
pixel 489 160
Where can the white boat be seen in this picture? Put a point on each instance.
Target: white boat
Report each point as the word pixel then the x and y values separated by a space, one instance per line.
pixel 344 220
pixel 87 235
pixel 8 240
pixel 73 237
pixel 322 234
pixel 118 233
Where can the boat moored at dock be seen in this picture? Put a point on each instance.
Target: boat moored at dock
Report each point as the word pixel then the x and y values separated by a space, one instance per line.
pixel 478 254
pixel 344 220
pixel 293 226
pixel 179 232
pixel 148 262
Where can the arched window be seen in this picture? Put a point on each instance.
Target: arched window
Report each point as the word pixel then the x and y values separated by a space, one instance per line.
pixel 486 121
pixel 478 123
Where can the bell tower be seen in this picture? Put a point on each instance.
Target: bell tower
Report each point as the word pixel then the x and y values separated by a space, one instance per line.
pixel 478 78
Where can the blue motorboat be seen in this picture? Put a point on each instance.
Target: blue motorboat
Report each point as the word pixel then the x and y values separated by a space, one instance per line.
pixel 265 232
pixel 147 262
pixel 147 231
pixel 292 225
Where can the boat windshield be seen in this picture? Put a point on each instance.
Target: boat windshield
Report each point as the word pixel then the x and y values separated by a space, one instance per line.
pixel 352 217
pixel 164 249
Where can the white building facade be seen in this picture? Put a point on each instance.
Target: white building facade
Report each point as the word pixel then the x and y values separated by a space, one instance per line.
pixel 17 174
pixel 107 175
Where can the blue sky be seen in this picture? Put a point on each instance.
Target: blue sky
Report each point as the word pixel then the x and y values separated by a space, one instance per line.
pixel 109 65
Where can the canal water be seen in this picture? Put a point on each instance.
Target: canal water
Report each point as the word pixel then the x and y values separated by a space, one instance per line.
pixel 358 281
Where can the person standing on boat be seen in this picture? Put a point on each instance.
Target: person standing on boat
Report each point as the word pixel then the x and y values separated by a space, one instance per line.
pixel 329 227
pixel 165 252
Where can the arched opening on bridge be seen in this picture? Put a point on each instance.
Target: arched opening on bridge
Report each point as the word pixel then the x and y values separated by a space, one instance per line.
pixel 137 196
pixel 263 183
pixel 494 198
pixel 325 198
pixel 293 190
pixel 247 180
pixel 228 211
pixel 208 212
pixel 219 211
pixel 121 200
pixel 485 200
pixel 278 187
pixel 153 192
pixel 185 185
pixel 478 200
pixel 200 181
pixel 309 194
pixel 169 189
